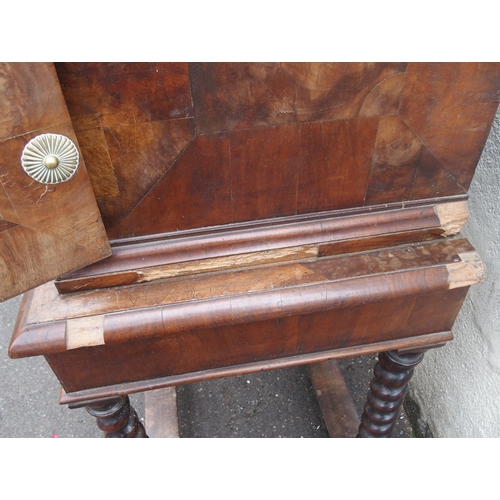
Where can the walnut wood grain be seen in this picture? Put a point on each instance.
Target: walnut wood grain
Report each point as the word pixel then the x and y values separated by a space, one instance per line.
pixel 78 397
pixel 281 278
pixel 133 121
pixel 396 154
pixel 263 214
pixel 206 322
pixel 250 95
pixel 218 143
pixel 146 91
pixel 27 89
pixel 450 108
pixel 56 228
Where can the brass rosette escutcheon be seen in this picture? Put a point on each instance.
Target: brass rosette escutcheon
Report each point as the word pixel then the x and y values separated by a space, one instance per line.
pixel 50 158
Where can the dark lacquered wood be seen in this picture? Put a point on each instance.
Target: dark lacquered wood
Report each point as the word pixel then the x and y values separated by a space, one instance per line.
pixel 392 373
pixel 116 418
pixel 45 230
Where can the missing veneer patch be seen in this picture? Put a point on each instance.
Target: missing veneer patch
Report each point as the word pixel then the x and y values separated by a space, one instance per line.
pixel 468 271
pixel 452 216
pixel 84 332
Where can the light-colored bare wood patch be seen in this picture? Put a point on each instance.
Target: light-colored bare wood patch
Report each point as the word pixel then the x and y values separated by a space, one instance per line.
pixel 452 216
pixel 468 271
pixel 85 332
pixel 148 274
pixel 230 262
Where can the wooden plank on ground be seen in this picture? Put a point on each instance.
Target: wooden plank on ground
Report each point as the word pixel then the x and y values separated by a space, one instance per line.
pixel 334 399
pixel 161 413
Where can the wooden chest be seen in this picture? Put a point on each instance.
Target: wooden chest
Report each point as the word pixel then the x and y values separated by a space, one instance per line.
pixel 233 217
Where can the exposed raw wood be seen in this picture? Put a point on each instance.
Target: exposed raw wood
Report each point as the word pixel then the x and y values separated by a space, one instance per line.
pixel 468 271
pixel 233 262
pixel 161 413
pixel 235 285
pixel 452 216
pixel 84 332
pixel 334 399
pixel 147 274
pixel 226 248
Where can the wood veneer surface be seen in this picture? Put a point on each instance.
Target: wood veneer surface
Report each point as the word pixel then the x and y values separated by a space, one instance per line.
pixel 45 230
pixel 48 305
pixel 174 146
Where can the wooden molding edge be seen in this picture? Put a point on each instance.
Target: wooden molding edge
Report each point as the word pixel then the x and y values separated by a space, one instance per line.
pixel 147 385
pixel 290 239
pixel 271 304
pixel 34 340
pixel 150 323
pixel 260 294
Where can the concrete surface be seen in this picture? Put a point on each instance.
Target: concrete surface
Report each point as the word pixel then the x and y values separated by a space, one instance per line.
pixel 275 404
pixel 458 387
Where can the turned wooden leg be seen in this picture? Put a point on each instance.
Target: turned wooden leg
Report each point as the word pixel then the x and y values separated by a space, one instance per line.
pixel 117 418
pixel 387 389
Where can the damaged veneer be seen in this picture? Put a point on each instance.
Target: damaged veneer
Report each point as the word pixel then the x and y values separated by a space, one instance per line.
pixel 169 329
pixel 271 242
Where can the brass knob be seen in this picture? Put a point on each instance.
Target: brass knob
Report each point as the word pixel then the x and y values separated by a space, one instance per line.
pixel 51 161
pixel 50 158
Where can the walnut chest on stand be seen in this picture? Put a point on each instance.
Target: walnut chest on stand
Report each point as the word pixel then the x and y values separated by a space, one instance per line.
pixel 207 220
